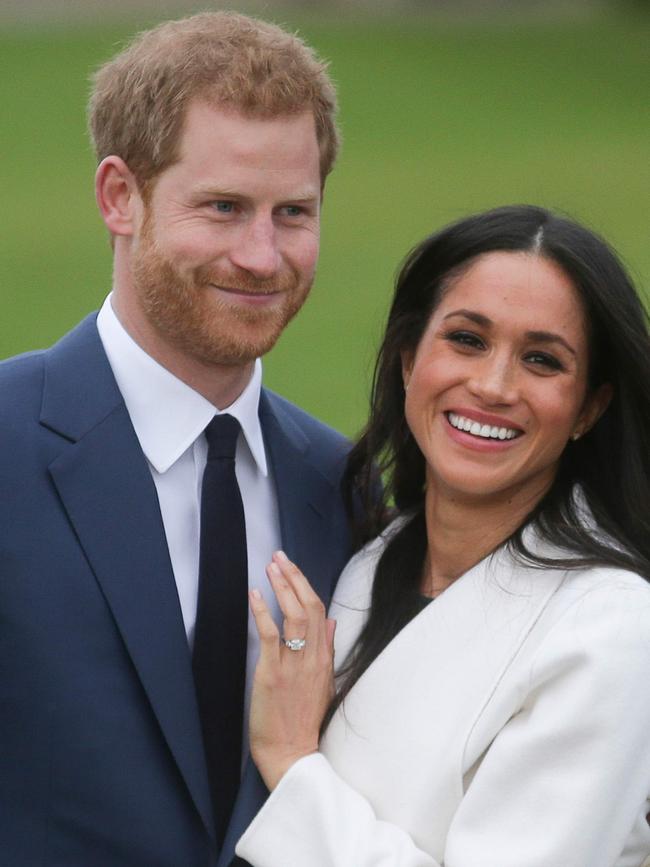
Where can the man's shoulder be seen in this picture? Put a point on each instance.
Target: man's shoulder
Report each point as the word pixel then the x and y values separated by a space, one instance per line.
pixel 29 363
pixel 23 377
pixel 20 376
pixel 308 424
pixel 309 434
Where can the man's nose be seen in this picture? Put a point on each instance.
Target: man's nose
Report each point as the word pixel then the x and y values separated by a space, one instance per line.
pixel 255 249
pixel 495 382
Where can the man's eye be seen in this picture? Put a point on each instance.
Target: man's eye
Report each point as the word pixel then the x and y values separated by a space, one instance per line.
pixel 292 210
pixel 465 338
pixel 223 207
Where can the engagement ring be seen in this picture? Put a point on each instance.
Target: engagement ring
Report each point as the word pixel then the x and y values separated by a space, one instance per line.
pixel 294 643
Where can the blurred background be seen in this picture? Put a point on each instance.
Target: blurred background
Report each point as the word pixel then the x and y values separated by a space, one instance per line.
pixel 446 108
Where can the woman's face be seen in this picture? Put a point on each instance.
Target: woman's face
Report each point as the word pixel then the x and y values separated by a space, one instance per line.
pixel 498 383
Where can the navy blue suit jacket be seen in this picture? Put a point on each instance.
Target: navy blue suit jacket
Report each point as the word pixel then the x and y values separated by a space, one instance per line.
pixel 101 760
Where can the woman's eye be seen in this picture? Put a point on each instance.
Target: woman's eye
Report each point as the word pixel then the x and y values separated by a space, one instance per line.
pixel 542 359
pixel 465 338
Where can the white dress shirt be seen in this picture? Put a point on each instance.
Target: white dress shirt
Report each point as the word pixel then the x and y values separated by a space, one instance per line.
pixel 169 419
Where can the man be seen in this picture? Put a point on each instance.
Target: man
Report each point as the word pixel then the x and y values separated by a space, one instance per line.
pixel 214 136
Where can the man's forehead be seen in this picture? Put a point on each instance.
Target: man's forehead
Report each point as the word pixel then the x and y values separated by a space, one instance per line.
pixel 215 142
pixel 230 118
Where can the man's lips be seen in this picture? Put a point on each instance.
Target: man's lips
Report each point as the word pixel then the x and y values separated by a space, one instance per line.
pixel 248 293
pixel 258 297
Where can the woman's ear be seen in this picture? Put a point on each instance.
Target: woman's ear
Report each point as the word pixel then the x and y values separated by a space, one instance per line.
pixel 407 367
pixel 117 195
pixel 595 405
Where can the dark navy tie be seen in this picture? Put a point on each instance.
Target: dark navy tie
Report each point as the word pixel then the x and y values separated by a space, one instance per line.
pixel 219 656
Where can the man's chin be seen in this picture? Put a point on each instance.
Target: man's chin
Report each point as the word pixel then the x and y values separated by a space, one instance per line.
pixel 240 346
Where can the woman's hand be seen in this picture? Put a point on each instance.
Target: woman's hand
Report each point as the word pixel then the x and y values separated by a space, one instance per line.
pixel 292 688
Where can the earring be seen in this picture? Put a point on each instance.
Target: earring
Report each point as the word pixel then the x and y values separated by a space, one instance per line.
pixel 576 435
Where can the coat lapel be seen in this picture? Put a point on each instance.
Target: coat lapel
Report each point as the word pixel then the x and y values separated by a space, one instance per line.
pixel 434 681
pixel 108 493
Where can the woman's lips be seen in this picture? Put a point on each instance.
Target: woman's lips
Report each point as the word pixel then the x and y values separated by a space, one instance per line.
pixel 491 428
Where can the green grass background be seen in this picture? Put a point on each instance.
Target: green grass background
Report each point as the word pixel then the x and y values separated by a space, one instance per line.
pixel 440 119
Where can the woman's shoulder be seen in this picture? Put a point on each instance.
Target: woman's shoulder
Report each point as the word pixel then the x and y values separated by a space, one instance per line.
pixel 593 640
pixel 597 622
pixel 614 590
pixel 579 584
pixel 355 584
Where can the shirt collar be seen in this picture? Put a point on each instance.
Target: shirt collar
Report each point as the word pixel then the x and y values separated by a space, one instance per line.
pixel 167 414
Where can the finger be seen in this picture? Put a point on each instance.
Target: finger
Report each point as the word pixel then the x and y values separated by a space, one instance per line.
pixel 330 629
pixel 300 585
pixel 287 599
pixel 295 618
pixel 266 628
pixel 311 602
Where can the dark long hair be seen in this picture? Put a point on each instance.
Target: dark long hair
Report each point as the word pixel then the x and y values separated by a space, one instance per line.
pixel 611 463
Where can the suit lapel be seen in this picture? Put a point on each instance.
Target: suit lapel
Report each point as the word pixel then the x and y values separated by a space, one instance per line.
pixel 310 517
pixel 109 496
pixel 308 503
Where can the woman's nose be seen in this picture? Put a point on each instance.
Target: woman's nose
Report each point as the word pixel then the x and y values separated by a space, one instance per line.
pixel 494 382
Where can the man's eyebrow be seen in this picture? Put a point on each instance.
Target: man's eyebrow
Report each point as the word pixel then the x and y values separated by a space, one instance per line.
pixel 536 336
pixel 217 191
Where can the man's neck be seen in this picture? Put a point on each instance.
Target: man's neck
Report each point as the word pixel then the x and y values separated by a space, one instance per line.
pixel 220 384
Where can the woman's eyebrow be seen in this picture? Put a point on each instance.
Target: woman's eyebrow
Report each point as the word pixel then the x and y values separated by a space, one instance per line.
pixel 479 318
pixel 537 336
pixel 549 337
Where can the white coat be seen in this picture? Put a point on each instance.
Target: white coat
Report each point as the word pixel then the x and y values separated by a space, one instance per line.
pixel 507 725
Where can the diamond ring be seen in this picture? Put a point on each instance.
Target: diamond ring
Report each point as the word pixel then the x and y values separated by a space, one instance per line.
pixel 295 643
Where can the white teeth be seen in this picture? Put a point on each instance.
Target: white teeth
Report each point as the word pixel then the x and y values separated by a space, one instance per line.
pixel 478 430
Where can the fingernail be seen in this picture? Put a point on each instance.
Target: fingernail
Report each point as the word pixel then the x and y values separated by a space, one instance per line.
pixel 274 569
pixel 280 555
pixel 255 594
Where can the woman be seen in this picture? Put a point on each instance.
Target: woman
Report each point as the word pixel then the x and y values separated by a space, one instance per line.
pixel 492 708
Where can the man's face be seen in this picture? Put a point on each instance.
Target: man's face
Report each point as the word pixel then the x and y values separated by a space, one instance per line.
pixel 228 244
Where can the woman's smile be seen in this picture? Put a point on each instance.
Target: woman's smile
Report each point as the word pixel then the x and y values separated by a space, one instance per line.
pixel 477 425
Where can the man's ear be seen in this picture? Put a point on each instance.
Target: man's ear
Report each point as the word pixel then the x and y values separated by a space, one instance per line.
pixel 595 405
pixel 117 195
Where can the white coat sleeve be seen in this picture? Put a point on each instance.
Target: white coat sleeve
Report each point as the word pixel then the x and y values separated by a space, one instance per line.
pixel 563 783
pixel 315 819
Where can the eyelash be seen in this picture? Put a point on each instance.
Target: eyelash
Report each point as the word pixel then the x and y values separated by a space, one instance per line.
pixel 468 339
pixel 217 203
pixel 464 338
pixel 547 360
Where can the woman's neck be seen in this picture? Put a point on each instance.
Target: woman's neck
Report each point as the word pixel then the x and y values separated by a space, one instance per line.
pixel 461 531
